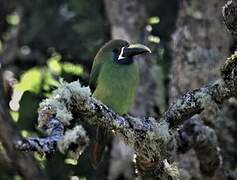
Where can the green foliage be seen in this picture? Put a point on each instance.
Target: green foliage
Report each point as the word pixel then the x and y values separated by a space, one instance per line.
pixel 17 177
pixel 30 81
pixel 153 20
pixel 71 161
pixel 72 68
pixel 14 115
pixel 13 19
pixel 53 63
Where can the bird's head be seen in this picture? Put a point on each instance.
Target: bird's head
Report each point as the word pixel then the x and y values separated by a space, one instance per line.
pixel 122 51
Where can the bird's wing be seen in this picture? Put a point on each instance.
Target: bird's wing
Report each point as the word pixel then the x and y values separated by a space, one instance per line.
pixel 97 144
pixel 96 67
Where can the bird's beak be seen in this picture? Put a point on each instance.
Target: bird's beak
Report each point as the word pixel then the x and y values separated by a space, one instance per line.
pixel 135 49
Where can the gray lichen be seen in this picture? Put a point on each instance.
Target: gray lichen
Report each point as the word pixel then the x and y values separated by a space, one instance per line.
pixel 74 142
pixel 60 103
pixel 230 16
pixel 171 169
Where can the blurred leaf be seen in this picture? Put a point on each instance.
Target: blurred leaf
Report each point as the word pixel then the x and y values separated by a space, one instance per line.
pixel 49 81
pixel 17 177
pixel 41 158
pixel 0 45
pixel 54 64
pixel 25 133
pixel 1 147
pixel 72 68
pixel 154 20
pixel 71 161
pixel 154 39
pixel 30 81
pixel 82 178
pixel 13 19
pixel 14 115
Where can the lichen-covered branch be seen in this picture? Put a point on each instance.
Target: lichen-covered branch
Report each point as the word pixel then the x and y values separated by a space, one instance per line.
pixel 194 134
pixel 230 16
pixel 194 102
pixel 153 140
pixel 44 145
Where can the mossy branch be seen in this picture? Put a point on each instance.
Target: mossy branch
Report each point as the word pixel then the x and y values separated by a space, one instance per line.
pixel 153 139
pixel 194 134
pixel 230 16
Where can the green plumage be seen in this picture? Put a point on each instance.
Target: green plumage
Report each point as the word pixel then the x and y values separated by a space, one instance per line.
pixel 116 84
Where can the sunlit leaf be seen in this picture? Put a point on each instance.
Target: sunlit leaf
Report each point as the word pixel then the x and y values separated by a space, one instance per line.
pixel 17 177
pixel 54 64
pixel 71 161
pixel 0 45
pixel 30 81
pixel 25 133
pixel 82 178
pixel 154 20
pixel 41 159
pixel 1 147
pixel 49 80
pixel 72 68
pixel 14 115
pixel 13 19
pixel 154 39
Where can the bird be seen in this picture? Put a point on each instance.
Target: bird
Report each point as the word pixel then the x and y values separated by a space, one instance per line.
pixel 113 81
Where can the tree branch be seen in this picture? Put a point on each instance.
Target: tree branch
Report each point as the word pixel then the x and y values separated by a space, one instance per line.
pixel 153 140
pixel 194 134
pixel 44 145
pixel 230 16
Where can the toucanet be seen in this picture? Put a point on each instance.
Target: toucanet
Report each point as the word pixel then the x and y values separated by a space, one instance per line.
pixel 113 81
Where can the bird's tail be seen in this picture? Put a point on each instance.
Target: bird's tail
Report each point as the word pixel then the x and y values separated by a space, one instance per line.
pixel 97 146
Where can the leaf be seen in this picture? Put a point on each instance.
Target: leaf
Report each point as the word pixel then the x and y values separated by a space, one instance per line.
pixel 72 68
pixel 13 19
pixel 30 81
pixel 54 64
pixel 154 20
pixel 49 80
